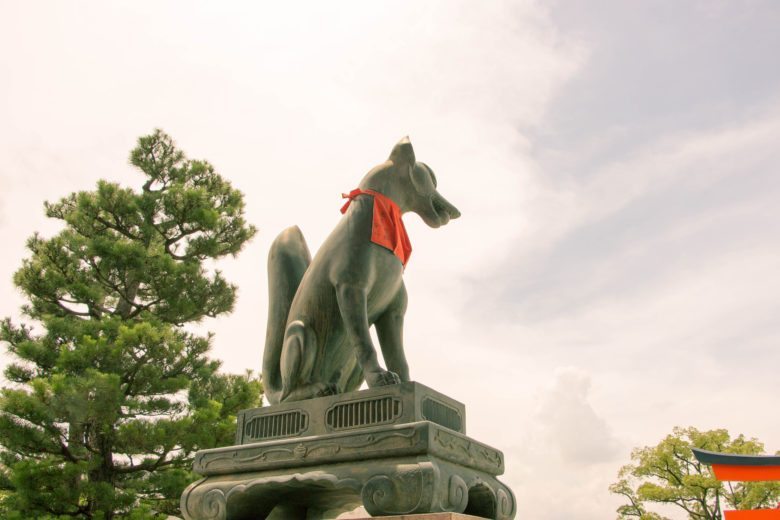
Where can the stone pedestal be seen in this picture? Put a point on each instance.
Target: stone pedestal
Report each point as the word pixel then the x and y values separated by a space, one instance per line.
pixel 396 450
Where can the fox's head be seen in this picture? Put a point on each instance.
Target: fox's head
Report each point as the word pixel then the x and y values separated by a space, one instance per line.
pixel 415 185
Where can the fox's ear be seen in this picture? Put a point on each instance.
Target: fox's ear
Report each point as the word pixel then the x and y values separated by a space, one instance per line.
pixel 403 153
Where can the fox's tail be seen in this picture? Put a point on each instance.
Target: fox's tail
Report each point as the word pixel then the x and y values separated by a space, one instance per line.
pixel 288 259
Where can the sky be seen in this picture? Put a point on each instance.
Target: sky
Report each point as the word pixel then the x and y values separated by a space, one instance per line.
pixel 614 273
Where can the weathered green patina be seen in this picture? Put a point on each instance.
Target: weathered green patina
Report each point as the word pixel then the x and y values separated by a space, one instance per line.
pixel 398 447
pixel 318 340
pixel 395 449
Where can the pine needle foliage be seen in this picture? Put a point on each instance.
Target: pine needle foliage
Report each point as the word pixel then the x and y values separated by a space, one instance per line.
pixel 109 400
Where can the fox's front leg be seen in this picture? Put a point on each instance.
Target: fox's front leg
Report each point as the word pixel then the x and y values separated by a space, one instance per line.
pixel 390 329
pixel 352 305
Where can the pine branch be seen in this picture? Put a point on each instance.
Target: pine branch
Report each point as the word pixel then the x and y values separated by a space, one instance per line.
pixel 146 465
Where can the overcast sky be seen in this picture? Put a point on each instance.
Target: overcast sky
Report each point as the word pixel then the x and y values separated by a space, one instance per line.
pixel 615 271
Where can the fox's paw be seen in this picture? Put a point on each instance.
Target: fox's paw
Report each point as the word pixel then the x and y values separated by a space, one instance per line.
pixel 324 389
pixel 382 378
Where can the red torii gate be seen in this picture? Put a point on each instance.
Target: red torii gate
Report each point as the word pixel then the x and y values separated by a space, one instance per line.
pixel 743 468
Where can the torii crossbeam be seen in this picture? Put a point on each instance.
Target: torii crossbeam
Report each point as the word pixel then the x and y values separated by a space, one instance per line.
pixel 743 468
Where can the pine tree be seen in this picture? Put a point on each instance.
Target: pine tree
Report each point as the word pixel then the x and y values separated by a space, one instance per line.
pixel 112 397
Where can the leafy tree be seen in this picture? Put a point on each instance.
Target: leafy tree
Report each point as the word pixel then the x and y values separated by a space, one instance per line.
pixel 109 402
pixel 669 474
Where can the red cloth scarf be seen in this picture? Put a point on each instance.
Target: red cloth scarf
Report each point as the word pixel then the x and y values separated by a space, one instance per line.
pixel 387 228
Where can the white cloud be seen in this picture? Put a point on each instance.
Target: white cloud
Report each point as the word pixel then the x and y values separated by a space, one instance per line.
pixel 292 105
pixel 570 423
pixel 664 290
pixel 564 453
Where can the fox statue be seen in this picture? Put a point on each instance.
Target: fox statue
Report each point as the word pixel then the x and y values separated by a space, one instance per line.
pixel 318 339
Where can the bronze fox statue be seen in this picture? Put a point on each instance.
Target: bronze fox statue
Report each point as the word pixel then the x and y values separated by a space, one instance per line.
pixel 320 311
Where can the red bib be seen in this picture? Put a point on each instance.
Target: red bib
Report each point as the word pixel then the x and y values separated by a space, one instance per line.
pixel 387 228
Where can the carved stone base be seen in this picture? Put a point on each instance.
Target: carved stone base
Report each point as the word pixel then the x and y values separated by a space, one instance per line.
pixel 390 469
pixel 383 487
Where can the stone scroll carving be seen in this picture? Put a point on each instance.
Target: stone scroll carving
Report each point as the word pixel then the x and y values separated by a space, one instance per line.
pixel 457 493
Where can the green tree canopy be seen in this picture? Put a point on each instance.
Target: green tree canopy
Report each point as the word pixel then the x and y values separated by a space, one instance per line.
pixel 669 474
pixel 112 397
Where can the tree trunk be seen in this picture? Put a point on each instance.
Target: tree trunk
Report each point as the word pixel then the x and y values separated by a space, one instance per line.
pixel 126 301
pixel 102 472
